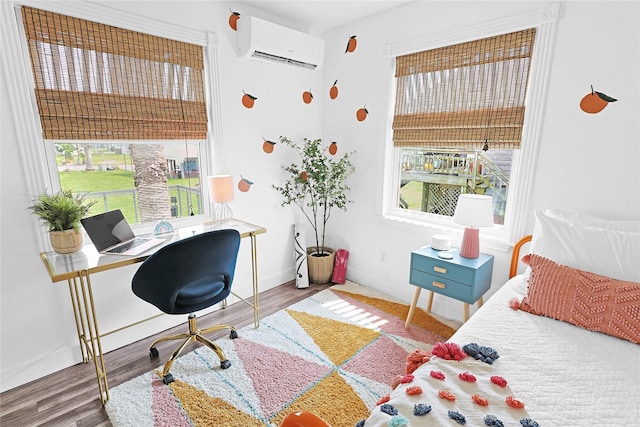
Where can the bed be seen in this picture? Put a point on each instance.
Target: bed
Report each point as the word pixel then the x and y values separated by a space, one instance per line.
pixel 562 373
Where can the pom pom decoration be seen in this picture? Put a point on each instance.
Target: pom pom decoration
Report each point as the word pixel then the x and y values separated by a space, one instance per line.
pixel 415 359
pixel 528 422
pixel 526 259
pixel 467 376
pixel 407 379
pixel 514 403
pixel 498 380
pixel 412 391
pixel 481 352
pixel 398 421
pixel 396 381
pixel 448 351
pixel 514 303
pixel 457 417
pixel 389 409
pixel 492 420
pixel 444 394
pixel 383 399
pixel 478 400
pixel 437 375
pixel 360 423
pixel 420 409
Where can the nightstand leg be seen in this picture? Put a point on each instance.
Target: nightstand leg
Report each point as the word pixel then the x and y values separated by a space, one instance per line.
pixel 466 311
pixel 430 303
pixel 480 302
pixel 412 309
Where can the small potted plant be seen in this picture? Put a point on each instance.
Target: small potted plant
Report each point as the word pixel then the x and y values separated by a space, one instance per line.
pixel 62 212
pixel 316 184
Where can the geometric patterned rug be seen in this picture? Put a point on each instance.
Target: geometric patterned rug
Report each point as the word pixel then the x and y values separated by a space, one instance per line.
pixel 334 354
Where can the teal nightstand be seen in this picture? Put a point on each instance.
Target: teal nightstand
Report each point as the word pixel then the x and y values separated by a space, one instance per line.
pixel 460 278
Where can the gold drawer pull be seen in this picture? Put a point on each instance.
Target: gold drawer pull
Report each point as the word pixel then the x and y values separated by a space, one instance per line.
pixel 440 270
pixel 439 285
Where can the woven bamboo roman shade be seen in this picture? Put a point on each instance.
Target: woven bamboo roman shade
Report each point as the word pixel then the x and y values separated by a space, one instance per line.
pixel 95 81
pixel 462 95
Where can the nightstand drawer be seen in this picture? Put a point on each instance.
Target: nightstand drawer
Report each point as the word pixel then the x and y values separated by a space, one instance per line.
pixel 444 286
pixel 442 268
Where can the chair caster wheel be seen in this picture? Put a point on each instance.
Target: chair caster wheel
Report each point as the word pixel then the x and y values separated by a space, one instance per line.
pixel 167 379
pixel 153 353
pixel 225 364
pixel 233 335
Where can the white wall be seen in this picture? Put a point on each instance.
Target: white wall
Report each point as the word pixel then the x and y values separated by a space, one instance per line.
pixel 577 154
pixel 586 162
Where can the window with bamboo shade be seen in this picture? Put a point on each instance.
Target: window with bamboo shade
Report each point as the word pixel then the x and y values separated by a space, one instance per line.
pixel 125 111
pixel 459 114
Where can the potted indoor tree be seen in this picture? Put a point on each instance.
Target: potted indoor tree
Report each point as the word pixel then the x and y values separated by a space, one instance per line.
pixel 62 212
pixel 316 184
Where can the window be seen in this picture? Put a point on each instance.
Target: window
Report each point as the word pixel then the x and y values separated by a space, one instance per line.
pixel 394 203
pixel 123 114
pixel 459 113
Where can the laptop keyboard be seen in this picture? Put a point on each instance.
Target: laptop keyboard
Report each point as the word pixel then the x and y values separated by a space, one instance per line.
pixel 130 244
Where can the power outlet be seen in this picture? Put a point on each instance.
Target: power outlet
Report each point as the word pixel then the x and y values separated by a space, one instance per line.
pixel 383 256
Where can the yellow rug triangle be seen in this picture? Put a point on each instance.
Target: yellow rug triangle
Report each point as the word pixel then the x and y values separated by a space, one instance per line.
pixel 338 340
pixel 204 410
pixel 333 400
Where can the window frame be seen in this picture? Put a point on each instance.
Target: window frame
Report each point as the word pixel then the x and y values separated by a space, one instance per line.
pixel 524 159
pixel 37 154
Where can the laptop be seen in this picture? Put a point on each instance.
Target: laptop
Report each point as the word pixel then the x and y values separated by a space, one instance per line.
pixel 111 234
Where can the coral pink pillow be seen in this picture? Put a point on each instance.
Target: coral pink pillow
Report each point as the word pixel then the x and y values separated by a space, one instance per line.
pixel 587 300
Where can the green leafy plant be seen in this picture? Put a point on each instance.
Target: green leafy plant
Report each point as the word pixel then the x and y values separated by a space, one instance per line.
pixel 61 211
pixel 316 184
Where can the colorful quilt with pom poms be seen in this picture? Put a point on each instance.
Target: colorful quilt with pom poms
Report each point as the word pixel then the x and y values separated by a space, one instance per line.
pixel 451 385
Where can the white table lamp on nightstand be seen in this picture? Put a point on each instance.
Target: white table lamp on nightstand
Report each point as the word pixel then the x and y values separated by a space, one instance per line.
pixel 473 210
pixel 221 193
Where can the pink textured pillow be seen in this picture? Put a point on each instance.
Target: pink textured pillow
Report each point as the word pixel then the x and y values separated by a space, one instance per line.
pixel 588 300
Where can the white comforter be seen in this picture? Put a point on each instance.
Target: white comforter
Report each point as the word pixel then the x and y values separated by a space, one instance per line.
pixel 565 375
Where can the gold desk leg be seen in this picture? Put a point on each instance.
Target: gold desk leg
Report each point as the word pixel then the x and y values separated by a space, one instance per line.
pixel 254 273
pixel 91 342
pixel 74 292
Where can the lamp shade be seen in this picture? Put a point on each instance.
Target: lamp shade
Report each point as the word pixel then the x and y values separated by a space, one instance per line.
pixel 474 210
pixel 221 188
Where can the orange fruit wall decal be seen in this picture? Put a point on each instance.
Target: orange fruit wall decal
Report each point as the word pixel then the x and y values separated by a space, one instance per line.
pixel 233 20
pixel 244 184
pixel 307 97
pixel 267 146
pixel 362 113
pixel 304 176
pixel 333 91
pixel 351 44
pixel 248 100
pixel 594 102
pixel 333 148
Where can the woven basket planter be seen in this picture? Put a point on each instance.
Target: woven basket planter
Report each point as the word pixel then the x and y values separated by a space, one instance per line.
pixel 320 267
pixel 67 241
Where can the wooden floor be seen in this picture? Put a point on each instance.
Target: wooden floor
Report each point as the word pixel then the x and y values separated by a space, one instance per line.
pixel 70 397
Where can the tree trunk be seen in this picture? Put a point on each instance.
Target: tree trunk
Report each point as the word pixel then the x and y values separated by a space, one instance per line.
pixel 150 179
pixel 88 160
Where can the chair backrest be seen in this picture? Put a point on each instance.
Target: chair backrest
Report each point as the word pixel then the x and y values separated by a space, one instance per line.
pixel 189 266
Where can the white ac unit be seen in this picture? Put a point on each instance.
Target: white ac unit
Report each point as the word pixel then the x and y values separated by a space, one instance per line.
pixel 266 41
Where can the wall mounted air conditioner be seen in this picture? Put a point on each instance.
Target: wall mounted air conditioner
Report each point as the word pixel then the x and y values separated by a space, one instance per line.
pixel 266 41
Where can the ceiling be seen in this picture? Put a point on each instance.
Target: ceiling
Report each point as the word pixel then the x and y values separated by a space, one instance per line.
pixel 320 16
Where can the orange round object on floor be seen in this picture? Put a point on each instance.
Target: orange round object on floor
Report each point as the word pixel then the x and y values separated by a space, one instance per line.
pixel 303 419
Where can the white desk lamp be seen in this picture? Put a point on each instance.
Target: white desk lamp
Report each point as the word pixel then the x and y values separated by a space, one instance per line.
pixel 221 193
pixel 473 210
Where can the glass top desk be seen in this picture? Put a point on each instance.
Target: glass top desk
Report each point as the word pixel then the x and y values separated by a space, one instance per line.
pixel 77 268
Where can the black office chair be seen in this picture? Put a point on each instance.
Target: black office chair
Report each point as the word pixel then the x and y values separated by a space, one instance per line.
pixel 186 276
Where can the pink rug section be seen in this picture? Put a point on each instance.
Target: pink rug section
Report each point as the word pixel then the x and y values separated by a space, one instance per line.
pixel 288 375
pixel 370 363
pixel 166 411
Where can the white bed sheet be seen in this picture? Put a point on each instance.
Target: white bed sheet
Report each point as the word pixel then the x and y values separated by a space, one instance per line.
pixel 565 375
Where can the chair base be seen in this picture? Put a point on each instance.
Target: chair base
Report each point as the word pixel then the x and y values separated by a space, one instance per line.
pixel 194 334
